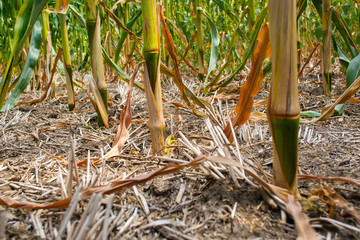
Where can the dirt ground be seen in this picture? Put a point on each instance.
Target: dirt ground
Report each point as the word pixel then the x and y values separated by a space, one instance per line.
pixel 35 146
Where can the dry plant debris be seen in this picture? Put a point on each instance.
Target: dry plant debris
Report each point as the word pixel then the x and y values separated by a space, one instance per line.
pixel 212 201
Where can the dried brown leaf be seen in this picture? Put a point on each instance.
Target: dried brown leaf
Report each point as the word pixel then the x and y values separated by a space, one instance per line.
pixel 340 179
pixel 354 100
pixel 344 204
pixel 328 111
pixel 253 82
pixel 122 134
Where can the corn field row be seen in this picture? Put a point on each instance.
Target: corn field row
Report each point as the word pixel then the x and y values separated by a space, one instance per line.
pixel 216 41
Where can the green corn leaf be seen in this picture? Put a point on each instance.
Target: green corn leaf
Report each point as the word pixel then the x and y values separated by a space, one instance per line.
pixel 234 37
pixel 310 114
pixel 339 109
pixel 9 9
pixel 78 16
pixel 118 70
pixel 267 69
pixel 129 26
pixel 353 71
pixel 227 9
pixel 29 67
pixel 25 21
pixel 344 60
pixel 214 45
pixel 344 29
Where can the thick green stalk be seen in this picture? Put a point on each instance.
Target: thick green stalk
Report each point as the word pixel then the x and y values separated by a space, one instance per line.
pixel 199 37
pixel 67 61
pixel 251 5
pixel 97 64
pixel 151 51
pixel 326 47
pixel 151 48
pixel 45 30
pixel 284 108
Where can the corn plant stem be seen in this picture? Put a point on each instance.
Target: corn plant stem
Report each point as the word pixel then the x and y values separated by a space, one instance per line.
pixel 45 29
pixel 46 40
pixel 97 64
pixel 67 61
pixel 199 36
pixel 285 137
pixel 151 52
pixel 251 5
pixel 326 46
pixel 284 108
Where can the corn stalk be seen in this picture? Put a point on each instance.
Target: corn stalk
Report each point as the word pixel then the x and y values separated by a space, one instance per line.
pixel 199 39
pixel 62 7
pixel 99 87
pixel 326 46
pixel 152 83
pixel 284 108
pixel 251 6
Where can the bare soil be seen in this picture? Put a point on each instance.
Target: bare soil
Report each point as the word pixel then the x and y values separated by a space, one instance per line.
pixel 35 145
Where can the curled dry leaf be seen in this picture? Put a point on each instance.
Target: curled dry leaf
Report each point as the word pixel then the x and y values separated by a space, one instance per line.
pixel 343 98
pixel 94 160
pixel 258 116
pixel 354 100
pixel 122 134
pixel 253 82
pixel 348 207
pixel 340 179
pixel 334 201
